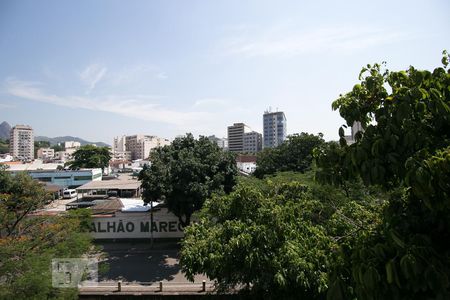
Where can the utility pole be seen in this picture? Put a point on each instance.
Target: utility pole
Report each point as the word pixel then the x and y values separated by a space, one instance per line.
pixel 151 224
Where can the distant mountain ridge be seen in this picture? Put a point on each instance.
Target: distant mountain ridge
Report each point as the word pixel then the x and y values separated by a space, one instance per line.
pixel 62 139
pixel 5 128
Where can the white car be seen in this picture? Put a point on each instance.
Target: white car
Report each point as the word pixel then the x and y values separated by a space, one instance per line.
pixel 69 194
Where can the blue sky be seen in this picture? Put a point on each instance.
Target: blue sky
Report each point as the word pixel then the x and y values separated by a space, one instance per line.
pixel 98 69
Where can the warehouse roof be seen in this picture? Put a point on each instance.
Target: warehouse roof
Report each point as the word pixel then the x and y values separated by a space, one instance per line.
pixel 111 185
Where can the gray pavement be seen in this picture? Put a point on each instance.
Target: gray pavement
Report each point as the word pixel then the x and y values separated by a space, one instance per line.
pixel 140 264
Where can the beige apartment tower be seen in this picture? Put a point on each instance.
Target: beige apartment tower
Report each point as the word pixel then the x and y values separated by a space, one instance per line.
pixel 140 145
pixel 236 136
pixel 21 142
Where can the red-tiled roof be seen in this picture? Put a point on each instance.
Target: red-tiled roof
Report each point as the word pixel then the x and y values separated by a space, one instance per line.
pixel 246 158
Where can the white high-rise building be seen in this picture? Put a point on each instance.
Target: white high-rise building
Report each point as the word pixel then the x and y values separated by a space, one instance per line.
pixel 274 126
pixel 21 142
pixel 119 149
pixel 119 144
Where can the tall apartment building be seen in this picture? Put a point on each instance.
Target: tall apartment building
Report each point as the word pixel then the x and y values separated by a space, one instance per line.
pixel 221 142
pixel 140 145
pixel 119 144
pixel 21 142
pixel 236 136
pixel 252 142
pixel 274 125
pixel 119 149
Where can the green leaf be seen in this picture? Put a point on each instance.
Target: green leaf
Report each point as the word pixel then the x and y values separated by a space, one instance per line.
pixel 397 240
pixel 390 272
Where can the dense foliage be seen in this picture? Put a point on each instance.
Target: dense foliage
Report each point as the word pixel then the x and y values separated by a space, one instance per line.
pixel 295 154
pixel 4 146
pixel 90 156
pixel 405 149
pixel 376 225
pixel 58 147
pixel 186 173
pixel 28 243
pixel 278 237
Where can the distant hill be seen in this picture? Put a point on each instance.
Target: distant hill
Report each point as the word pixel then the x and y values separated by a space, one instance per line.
pixel 4 130
pixel 62 139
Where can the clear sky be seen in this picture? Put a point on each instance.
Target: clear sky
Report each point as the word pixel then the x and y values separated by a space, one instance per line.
pixel 98 69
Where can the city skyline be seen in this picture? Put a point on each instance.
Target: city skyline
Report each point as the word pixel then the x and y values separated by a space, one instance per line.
pixel 100 69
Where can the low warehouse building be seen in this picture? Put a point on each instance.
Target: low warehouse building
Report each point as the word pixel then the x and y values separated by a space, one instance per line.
pixel 115 187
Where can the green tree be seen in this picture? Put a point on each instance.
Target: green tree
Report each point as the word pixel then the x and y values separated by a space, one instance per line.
pixel 90 156
pixel 58 147
pixel 186 173
pixel 295 154
pixel 277 237
pixel 405 149
pixel 4 146
pixel 28 243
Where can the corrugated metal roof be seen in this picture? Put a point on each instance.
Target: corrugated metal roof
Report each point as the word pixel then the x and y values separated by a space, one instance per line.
pixel 110 185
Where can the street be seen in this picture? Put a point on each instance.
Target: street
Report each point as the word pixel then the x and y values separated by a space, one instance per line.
pixel 138 263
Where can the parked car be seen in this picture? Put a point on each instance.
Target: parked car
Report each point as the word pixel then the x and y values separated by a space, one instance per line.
pixel 69 194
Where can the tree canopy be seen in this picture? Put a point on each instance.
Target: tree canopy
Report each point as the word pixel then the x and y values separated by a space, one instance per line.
pixel 405 149
pixel 90 156
pixel 186 173
pixel 4 146
pixel 27 244
pixel 58 147
pixel 277 237
pixel 295 154
pixel 376 223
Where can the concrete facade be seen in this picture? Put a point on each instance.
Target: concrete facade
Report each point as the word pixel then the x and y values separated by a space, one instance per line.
pixel 252 142
pixel 45 153
pixel 69 178
pixel 119 144
pixel 221 142
pixel 136 225
pixel 236 136
pixel 274 126
pixel 140 145
pixel 356 127
pixel 119 149
pixel 21 142
pixel 72 144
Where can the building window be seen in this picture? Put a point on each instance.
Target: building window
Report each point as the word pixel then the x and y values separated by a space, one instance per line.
pixel 44 179
pixel 82 178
